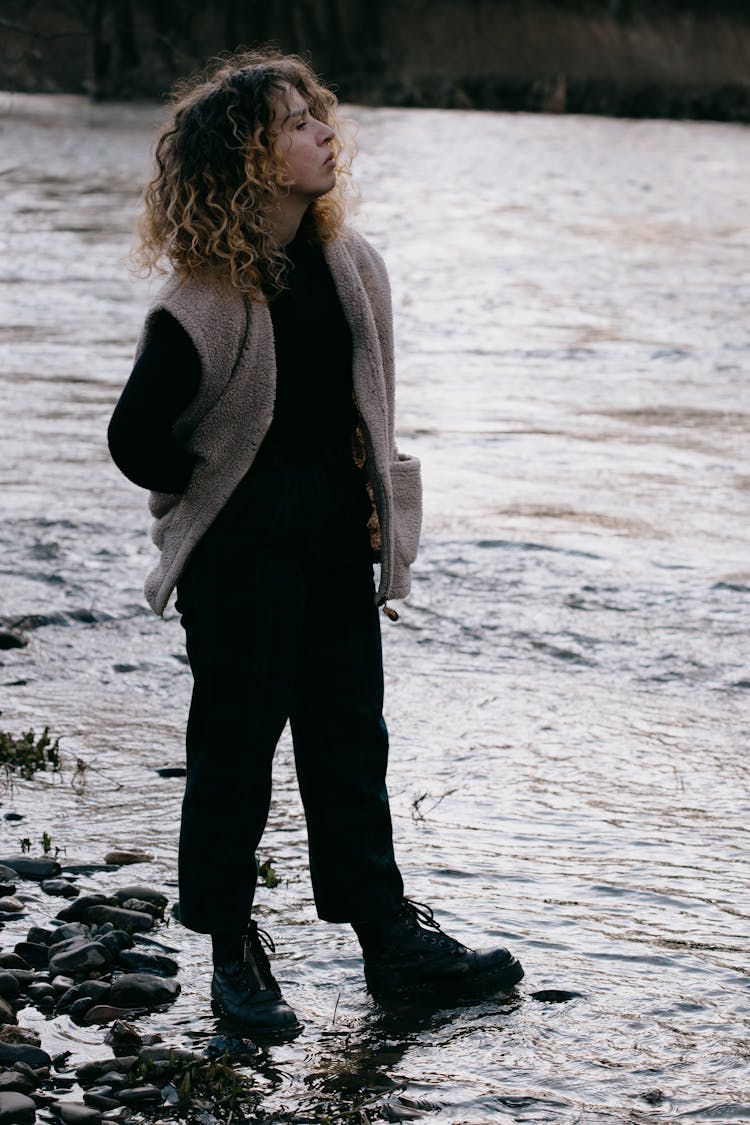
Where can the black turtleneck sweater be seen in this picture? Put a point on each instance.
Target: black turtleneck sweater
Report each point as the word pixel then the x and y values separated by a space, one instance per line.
pixel 314 409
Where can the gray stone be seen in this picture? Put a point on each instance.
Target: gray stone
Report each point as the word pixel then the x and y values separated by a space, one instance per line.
pixel 72 929
pixel 32 867
pixel 16 1109
pixel 145 894
pixel 34 953
pixel 13 961
pixel 114 941
pixel 40 990
pixel 80 1007
pixel 7 874
pixel 9 987
pixel 80 960
pixel 11 905
pixel 96 991
pixel 35 1057
pixel 122 857
pixel 9 638
pixel 123 1038
pixel 73 1113
pixel 61 984
pixel 7 1012
pixel 25 977
pixel 160 1052
pixel 17 1082
pixel 76 911
pixel 40 936
pixel 143 990
pixel 89 1073
pixel 60 887
pixel 106 1013
pixel 100 1100
pixel 155 963
pixel 127 920
pixel 7 889
pixel 140 1095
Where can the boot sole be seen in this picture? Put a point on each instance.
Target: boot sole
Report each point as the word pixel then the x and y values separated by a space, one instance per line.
pixel 266 1032
pixel 500 979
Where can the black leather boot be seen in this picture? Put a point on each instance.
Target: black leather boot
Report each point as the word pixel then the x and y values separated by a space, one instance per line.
pixel 408 950
pixel 246 992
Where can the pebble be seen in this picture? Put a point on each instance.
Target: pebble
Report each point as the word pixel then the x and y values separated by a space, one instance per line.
pixel 76 911
pixel 33 953
pixel 19 1035
pixel 40 991
pixel 7 1012
pixel 9 638
pixel 140 1095
pixel 155 963
pixel 179 1056
pixel 80 960
pixel 122 858
pixel 73 1113
pixel 7 874
pixel 32 867
pixel 143 990
pixel 11 905
pixel 7 889
pixel 17 1082
pixel 17 1109
pixel 60 887
pixel 114 941
pixel 12 1053
pixel 145 894
pixel 123 919
pixel 88 1074
pixel 106 1013
pixel 9 986
pixel 13 961
pixel 94 990
pixel 100 1100
pixel 71 930
pixel 39 936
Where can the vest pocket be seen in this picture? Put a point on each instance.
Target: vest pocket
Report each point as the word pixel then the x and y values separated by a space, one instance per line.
pixel 406 483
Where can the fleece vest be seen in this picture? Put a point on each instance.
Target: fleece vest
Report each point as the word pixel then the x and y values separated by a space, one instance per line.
pixel 224 425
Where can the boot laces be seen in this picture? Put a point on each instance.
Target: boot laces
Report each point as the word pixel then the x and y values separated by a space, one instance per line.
pixel 255 961
pixel 421 918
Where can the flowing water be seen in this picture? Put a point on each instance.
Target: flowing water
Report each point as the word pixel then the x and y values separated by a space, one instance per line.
pixel 568 684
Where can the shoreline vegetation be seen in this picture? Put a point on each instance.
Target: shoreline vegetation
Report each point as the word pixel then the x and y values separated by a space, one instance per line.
pixel 632 58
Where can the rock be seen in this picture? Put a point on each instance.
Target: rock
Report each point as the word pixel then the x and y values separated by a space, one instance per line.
pixel 88 1074
pixel 33 953
pixel 144 907
pixel 25 977
pixel 11 905
pixel 145 894
pixel 32 867
pixel 59 887
pixel 123 1038
pixel 7 874
pixel 80 960
pixel 37 935
pixel 115 1080
pixel 17 1082
pixel 155 963
pixel 178 1056
pixel 73 1113
pixel 100 1100
pixel 171 771
pixel 71 930
pixel 7 1012
pixel 61 984
pixel 10 638
pixel 127 920
pixel 143 990
pixel 122 858
pixel 140 1095
pixel 19 1035
pixel 9 987
pixel 107 1013
pixel 17 1109
pixel 13 961
pixel 35 1057
pixel 7 889
pixel 76 911
pixel 94 990
pixel 114 941
pixel 40 991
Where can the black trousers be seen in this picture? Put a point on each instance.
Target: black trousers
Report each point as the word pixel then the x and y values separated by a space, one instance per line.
pixel 278 607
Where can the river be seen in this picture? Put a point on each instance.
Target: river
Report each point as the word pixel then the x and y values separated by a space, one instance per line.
pixel 567 687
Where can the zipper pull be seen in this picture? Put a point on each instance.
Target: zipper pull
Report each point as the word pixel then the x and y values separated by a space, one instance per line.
pixel 390 613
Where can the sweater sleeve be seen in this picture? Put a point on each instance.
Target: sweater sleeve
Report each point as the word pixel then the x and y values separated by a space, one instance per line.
pixel 164 380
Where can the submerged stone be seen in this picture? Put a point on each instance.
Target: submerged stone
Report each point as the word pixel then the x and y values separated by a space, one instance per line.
pixel 123 919
pixel 143 990
pixel 32 867
pixel 60 887
pixel 122 858
pixel 156 963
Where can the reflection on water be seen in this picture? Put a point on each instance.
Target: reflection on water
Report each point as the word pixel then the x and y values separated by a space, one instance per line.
pixel 567 688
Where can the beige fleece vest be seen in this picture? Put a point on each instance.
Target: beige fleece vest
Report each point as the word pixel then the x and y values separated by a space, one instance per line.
pixel 226 422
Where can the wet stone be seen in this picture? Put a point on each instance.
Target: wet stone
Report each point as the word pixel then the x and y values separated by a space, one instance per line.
pixel 128 920
pixel 99 1100
pixel 33 953
pixel 94 990
pixel 35 1057
pixel 124 1038
pixel 19 1035
pixel 76 911
pixel 7 874
pixel 9 986
pixel 16 1109
pixel 7 889
pixel 17 1082
pixel 73 1113
pixel 60 887
pixel 80 960
pixel 40 991
pixel 121 858
pixel 25 977
pixel 13 961
pixel 32 867
pixel 143 990
pixel 140 1095
pixel 178 1056
pixel 70 930
pixel 88 1074
pixel 10 638
pixel 11 905
pixel 7 1012
pixel 114 941
pixel 155 963
pixel 38 935
pixel 106 1013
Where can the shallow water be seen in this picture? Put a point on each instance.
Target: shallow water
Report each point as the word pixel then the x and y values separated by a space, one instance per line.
pixel 568 685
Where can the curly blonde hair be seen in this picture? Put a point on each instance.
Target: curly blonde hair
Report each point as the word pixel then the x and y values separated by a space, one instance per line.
pixel 219 169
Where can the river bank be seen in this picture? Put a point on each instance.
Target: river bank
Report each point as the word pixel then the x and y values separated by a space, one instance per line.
pixel 616 57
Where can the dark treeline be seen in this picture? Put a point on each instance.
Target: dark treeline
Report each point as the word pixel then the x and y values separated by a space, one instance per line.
pixel 677 58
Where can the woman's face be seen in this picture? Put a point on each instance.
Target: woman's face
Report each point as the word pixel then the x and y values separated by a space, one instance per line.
pixel 305 145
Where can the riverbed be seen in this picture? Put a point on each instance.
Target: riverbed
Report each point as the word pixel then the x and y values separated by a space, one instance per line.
pixel 567 688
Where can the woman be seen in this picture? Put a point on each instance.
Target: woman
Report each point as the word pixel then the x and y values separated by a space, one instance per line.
pixel 260 415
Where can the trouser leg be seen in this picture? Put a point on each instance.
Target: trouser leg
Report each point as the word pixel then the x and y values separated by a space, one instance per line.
pixel 341 744
pixel 242 610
